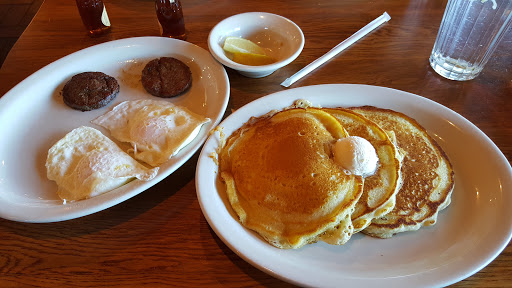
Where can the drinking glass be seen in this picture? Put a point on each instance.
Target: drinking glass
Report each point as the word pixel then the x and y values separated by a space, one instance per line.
pixel 469 33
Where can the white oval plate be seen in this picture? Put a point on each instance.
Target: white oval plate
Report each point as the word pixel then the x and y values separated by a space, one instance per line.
pixel 34 117
pixel 469 234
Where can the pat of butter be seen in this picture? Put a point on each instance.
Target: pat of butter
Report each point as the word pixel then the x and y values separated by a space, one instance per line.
pixel 356 155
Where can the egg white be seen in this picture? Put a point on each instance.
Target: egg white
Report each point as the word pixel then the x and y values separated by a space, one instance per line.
pixel 86 163
pixel 156 129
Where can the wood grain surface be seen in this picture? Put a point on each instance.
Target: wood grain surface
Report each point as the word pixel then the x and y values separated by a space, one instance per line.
pixel 160 238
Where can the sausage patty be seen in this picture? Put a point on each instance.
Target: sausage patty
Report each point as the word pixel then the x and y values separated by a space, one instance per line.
pixel 90 90
pixel 166 77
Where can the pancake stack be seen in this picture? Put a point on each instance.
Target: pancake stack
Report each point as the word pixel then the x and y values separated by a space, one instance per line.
pixel 427 175
pixel 281 179
pixel 380 189
pixel 283 182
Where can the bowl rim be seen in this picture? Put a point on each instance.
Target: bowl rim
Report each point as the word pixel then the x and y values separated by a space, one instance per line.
pixel 261 68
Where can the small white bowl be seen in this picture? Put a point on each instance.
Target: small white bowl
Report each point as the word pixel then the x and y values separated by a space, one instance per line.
pixel 282 39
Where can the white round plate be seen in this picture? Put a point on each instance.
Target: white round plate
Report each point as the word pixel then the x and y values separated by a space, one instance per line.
pixel 469 234
pixel 34 117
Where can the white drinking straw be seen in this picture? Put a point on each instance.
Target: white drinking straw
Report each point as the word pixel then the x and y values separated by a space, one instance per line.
pixel 337 49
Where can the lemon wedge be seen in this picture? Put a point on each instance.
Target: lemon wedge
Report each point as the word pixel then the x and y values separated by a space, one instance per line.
pixel 246 52
pixel 252 59
pixel 240 45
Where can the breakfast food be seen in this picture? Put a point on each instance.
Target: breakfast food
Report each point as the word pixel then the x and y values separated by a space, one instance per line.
pixel 156 129
pixel 283 182
pixel 356 155
pixel 85 163
pixel 381 186
pixel 305 174
pixel 166 77
pixel 427 175
pixel 90 90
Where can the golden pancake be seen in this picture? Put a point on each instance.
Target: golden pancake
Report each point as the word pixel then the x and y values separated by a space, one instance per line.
pixel 282 181
pixel 379 192
pixel 427 175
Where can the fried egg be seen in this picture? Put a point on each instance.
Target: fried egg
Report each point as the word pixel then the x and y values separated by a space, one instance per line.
pixel 156 129
pixel 86 163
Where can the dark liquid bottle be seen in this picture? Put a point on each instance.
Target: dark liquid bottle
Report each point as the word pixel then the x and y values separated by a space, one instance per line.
pixel 170 17
pixel 94 16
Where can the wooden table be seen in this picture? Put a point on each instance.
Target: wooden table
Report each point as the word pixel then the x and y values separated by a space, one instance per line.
pixel 160 237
